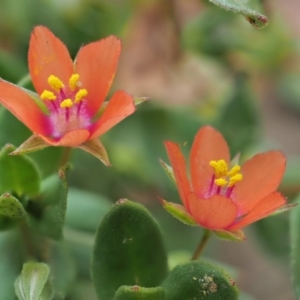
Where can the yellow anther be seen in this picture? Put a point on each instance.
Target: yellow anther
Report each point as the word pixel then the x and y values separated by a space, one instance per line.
pixel 234 170
pixel 220 167
pixel 66 103
pixel 73 81
pixel 55 83
pixel 234 179
pixel 80 94
pixel 47 95
pixel 221 182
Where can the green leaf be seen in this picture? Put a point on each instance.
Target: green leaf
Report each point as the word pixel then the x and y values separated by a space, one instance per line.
pixel 11 210
pixel 33 283
pixel 179 212
pixel 199 280
pixel 83 203
pixel 295 247
pixel 18 174
pixel 169 170
pixel 128 250
pixel 235 236
pixel 139 293
pixel 256 19
pixel 54 201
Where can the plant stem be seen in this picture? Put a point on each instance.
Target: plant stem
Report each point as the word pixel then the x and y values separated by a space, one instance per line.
pixel 205 237
pixel 65 156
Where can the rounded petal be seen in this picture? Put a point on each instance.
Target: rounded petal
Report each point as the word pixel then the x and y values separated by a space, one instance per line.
pixel 19 103
pixel 119 107
pixel 261 176
pixel 96 64
pixel 217 212
pixel 47 56
pixel 208 145
pixel 264 208
pixel 70 139
pixel 179 168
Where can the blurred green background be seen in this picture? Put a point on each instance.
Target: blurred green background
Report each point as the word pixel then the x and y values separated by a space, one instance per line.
pixel 198 65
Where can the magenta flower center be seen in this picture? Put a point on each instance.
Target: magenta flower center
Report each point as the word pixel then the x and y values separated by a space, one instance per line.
pixel 223 180
pixel 67 106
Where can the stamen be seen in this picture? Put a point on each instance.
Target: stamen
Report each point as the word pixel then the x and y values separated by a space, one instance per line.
pixel 47 95
pixel 220 167
pixel 55 83
pixel 221 182
pixel 234 170
pixel 80 95
pixel 67 103
pixel 234 179
pixel 73 81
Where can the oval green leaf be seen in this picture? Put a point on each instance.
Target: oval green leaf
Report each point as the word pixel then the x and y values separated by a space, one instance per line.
pixel 128 250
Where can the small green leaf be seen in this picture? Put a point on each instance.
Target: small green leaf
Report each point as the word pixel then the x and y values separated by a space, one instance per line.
pixel 169 170
pixel 54 201
pixel 256 19
pixel 139 293
pixel 11 210
pixel 179 212
pixel 128 250
pixel 33 283
pixel 235 236
pixel 18 175
pixel 199 280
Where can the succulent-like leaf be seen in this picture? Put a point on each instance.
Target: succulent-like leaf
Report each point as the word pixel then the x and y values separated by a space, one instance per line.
pixel 33 282
pixel 199 280
pixel 128 250
pixel 18 175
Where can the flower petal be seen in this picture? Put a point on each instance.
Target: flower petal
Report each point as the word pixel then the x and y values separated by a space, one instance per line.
pixel 179 168
pixel 264 208
pixel 47 56
pixel 119 107
pixel 23 107
pixel 208 145
pixel 96 64
pixel 217 212
pixel 261 176
pixel 73 138
pixel 96 148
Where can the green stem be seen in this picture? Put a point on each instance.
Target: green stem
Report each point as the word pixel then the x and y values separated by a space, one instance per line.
pixel 24 80
pixel 205 237
pixel 65 156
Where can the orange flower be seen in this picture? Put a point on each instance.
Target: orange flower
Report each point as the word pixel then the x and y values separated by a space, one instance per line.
pixel 224 197
pixel 71 92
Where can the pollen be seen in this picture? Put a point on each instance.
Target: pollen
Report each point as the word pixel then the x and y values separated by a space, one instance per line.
pixel 221 182
pixel 220 167
pixel 67 103
pixel 47 95
pixel 80 95
pixel 234 179
pixel 55 83
pixel 234 170
pixel 73 81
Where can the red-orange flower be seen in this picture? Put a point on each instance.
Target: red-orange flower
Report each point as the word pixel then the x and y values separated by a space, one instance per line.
pixel 220 197
pixel 72 93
